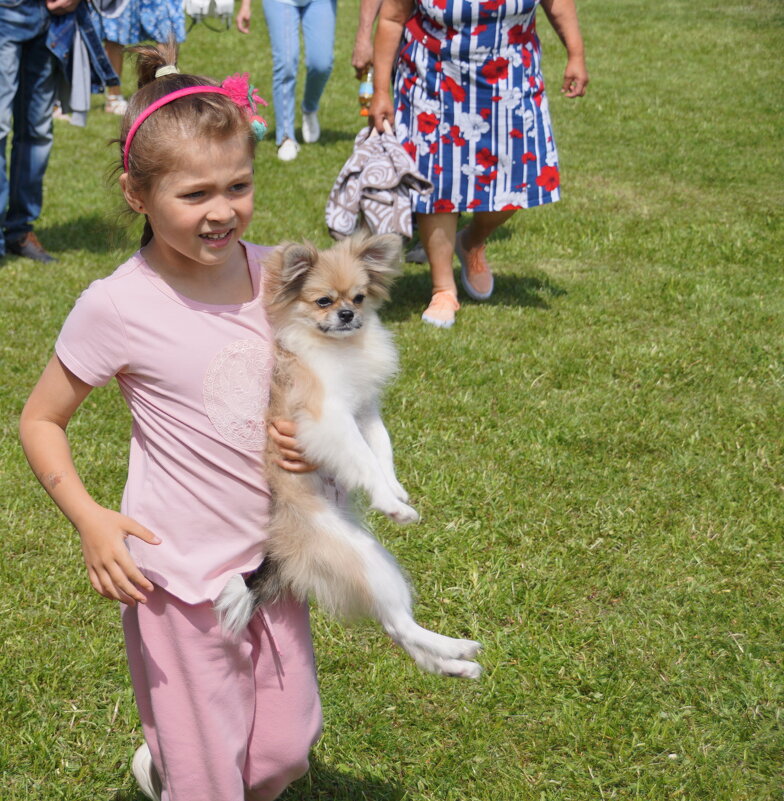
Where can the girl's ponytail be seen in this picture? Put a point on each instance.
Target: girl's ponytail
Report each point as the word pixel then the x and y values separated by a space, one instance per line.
pixel 150 58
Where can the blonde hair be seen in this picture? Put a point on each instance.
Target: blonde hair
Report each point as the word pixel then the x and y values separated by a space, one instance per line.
pixel 156 144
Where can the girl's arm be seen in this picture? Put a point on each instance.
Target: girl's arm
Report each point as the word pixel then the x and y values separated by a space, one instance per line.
pixel 563 17
pixel 392 18
pixel 52 403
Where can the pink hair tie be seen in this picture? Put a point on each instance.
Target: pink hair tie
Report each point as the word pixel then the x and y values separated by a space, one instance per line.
pixel 235 87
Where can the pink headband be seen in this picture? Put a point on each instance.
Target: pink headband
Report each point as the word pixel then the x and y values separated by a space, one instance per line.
pixel 235 87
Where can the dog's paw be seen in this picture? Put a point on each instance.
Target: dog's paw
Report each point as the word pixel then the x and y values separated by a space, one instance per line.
pixel 404 514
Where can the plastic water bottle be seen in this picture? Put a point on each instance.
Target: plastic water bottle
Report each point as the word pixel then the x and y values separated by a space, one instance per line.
pixel 365 91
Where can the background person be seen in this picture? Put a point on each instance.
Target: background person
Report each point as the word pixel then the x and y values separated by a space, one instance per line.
pixel 27 91
pixel 284 19
pixel 470 108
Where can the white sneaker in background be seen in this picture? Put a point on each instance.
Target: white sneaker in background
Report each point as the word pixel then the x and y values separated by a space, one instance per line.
pixel 145 774
pixel 115 104
pixel 288 150
pixel 311 131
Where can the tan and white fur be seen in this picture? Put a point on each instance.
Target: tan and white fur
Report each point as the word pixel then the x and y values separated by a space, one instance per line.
pixel 333 358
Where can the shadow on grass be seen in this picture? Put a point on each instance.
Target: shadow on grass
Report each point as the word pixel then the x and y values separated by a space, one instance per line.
pixel 321 784
pixel 95 234
pixel 412 290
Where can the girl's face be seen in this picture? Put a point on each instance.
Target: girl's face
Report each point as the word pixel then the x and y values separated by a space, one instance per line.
pixel 199 210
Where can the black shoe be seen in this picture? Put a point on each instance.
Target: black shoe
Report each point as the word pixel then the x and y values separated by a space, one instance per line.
pixel 29 247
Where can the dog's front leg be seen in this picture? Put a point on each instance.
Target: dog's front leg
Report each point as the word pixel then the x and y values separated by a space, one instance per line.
pixel 375 433
pixel 336 444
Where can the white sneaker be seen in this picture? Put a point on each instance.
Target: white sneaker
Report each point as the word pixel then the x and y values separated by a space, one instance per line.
pixel 145 774
pixel 115 104
pixel 288 150
pixel 311 131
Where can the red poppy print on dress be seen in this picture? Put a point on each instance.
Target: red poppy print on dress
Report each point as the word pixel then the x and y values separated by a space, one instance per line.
pixel 492 5
pixel 484 113
pixel 495 70
pixel 443 206
pixel 487 179
pixel 481 28
pixel 474 203
pixel 516 133
pixel 457 91
pixel 520 36
pixel 427 122
pixel 549 178
pixel 440 4
pixel 529 156
pixel 486 158
pixel 411 149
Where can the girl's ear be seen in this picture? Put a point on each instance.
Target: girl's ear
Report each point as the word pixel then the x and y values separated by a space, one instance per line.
pixel 131 198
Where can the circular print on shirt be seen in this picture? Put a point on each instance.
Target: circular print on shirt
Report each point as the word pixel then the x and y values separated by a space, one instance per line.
pixel 236 392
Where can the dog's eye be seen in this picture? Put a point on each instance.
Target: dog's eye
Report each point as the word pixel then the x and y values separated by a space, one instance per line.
pixel 324 302
pixel 358 299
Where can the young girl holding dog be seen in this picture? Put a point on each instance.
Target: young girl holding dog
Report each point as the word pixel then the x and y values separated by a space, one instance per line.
pixel 181 327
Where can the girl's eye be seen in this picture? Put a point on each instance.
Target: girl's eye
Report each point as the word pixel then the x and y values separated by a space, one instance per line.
pixel 324 302
pixel 358 299
pixel 239 187
pixel 193 195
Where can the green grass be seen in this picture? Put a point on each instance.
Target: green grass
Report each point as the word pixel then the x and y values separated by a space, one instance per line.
pixel 596 453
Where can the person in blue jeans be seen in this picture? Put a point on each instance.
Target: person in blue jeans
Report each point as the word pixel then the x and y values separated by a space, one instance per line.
pixel 27 89
pixel 284 18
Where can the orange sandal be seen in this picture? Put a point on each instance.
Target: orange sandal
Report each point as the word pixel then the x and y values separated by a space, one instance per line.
pixel 442 308
pixel 475 275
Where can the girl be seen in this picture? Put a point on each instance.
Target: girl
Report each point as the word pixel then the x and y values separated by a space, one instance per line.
pixel 181 327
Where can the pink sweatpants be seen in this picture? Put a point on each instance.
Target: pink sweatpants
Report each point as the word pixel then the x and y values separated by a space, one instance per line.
pixel 225 720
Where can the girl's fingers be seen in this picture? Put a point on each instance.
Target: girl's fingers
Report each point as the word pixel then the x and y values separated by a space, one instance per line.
pixel 137 530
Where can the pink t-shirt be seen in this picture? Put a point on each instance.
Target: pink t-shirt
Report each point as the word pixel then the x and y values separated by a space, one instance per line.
pixel 196 379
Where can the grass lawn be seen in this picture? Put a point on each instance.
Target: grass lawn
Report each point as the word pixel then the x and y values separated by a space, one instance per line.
pixel 596 452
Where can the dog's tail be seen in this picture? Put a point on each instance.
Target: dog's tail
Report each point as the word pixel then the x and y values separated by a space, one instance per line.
pixel 240 598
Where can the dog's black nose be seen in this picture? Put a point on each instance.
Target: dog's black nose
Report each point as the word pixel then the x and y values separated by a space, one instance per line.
pixel 345 315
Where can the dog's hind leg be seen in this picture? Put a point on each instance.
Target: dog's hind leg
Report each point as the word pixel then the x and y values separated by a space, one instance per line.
pixel 433 652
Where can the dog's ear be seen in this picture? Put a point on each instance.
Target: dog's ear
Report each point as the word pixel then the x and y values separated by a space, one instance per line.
pixel 381 256
pixel 291 262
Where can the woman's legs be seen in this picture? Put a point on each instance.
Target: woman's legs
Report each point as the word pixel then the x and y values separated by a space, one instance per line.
pixel 283 26
pixel 475 274
pixel 438 233
pixel 114 53
pixel 318 31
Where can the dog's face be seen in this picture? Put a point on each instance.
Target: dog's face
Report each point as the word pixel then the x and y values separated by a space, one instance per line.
pixel 333 291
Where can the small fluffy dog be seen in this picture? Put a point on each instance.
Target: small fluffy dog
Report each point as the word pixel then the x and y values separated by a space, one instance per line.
pixel 333 357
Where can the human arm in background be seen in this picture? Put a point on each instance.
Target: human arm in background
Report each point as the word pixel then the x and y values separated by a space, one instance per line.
pixel 563 17
pixel 389 31
pixel 362 55
pixel 60 7
pixel 42 429
pixel 243 17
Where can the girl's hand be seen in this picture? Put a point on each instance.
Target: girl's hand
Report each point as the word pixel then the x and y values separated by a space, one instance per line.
pixel 112 572
pixel 283 434
pixel 575 78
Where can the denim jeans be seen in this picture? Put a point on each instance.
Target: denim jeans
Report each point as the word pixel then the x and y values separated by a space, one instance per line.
pixel 27 86
pixel 317 18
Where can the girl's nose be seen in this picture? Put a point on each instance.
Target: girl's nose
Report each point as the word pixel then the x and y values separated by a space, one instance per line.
pixel 220 210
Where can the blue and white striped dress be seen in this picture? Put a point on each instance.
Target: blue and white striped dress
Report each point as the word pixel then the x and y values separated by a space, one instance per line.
pixel 471 108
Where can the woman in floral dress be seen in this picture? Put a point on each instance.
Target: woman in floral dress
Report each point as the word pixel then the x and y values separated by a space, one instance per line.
pixel 470 108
